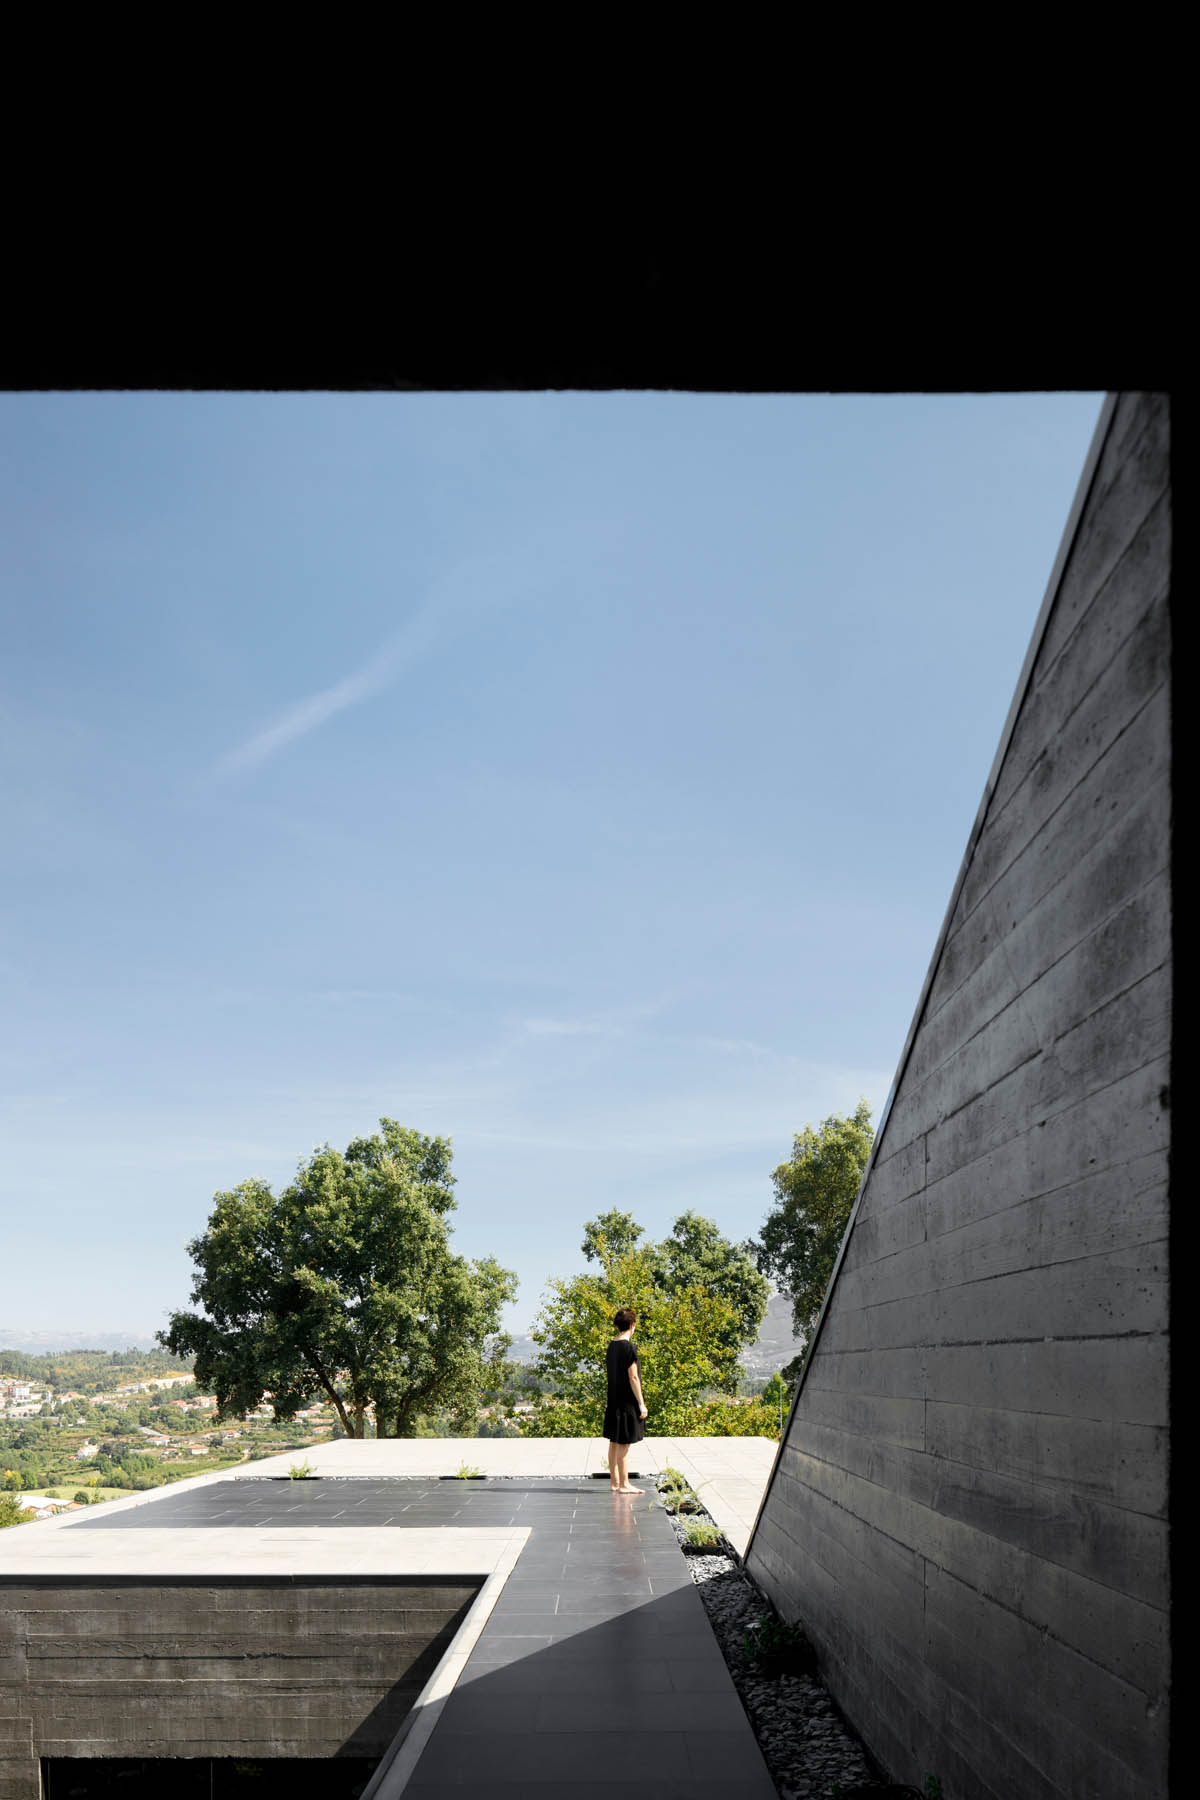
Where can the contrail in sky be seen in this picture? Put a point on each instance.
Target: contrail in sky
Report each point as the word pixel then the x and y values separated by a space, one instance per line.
pixel 306 715
pixel 481 584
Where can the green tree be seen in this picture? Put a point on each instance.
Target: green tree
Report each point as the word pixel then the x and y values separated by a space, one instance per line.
pixel 12 1512
pixel 776 1397
pixel 776 1391
pixel 344 1284
pixel 695 1255
pixel 684 1340
pixel 612 1234
pixel 815 1191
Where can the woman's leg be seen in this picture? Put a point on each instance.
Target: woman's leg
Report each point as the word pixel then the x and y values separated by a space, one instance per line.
pixel 623 1471
pixel 614 1473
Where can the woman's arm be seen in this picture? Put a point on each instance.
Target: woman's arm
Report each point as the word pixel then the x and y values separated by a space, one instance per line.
pixel 635 1382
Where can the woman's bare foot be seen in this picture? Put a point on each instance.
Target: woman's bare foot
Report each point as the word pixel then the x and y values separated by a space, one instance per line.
pixel 629 1490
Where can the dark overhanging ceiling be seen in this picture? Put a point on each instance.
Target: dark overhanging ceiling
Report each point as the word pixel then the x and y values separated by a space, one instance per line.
pixel 112 312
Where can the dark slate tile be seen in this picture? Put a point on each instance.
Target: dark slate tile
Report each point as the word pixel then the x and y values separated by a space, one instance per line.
pixel 601 1596
pixel 671 1583
pixel 528 1590
pixel 698 1674
pixel 605 1602
pixel 545 1675
pixel 502 1648
pixel 542 1605
pixel 660 1712
pixel 728 1755
pixel 472 1708
pixel 607 1640
pixel 678 1786
pixel 548 1757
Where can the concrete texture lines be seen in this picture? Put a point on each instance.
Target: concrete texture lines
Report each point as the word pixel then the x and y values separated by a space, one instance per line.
pixel 969 1512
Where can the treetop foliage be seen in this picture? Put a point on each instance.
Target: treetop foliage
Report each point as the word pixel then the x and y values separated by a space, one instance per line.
pixel 815 1191
pixel 694 1255
pixel 699 1301
pixel 345 1284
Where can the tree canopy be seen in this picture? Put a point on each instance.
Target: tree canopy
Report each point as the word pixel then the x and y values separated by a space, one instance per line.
pixel 345 1284
pixel 815 1191
pixel 681 1341
pixel 699 1300
pixel 694 1255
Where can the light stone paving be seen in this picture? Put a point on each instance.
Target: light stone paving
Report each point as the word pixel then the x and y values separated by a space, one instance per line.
pixel 275 1550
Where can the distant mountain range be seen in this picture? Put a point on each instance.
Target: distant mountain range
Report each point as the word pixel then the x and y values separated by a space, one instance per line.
pixel 43 1343
pixel 774 1346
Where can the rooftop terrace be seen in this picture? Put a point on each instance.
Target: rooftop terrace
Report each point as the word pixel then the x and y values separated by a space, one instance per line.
pixel 564 1643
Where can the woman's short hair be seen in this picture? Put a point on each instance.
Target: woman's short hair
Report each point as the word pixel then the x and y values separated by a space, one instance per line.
pixel 625 1318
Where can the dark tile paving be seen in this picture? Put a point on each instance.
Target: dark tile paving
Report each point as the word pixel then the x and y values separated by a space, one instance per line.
pixel 597 1668
pixel 596 1671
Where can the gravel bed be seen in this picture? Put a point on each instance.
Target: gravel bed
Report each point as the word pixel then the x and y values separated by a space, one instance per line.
pixel 809 1748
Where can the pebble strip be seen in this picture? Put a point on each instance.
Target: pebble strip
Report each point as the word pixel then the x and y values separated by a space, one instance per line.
pixel 809 1748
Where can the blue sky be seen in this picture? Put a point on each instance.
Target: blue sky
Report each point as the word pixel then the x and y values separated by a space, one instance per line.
pixel 582 777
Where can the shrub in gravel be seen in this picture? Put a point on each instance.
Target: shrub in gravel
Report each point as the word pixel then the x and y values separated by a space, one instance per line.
pixel 777 1648
pixel 681 1500
pixel 701 1534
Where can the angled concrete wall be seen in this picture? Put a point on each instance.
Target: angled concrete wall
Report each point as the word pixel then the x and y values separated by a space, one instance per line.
pixel 968 1510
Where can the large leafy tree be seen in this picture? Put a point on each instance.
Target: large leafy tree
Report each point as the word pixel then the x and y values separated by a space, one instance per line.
pixel 694 1256
pixel 699 1298
pixel 683 1341
pixel 344 1284
pixel 815 1191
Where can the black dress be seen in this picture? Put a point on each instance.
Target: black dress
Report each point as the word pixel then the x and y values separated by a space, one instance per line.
pixel 622 1415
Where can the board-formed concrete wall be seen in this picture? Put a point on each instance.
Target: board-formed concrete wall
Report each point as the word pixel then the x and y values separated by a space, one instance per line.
pixel 969 1507
pixel 178 1667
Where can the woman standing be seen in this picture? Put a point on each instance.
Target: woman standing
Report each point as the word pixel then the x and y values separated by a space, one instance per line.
pixel 626 1407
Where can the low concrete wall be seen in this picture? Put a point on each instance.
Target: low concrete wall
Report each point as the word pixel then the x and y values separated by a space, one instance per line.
pixel 969 1509
pixel 251 1667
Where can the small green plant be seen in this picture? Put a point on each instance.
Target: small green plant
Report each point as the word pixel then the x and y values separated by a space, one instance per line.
pixel 301 1471
pixel 778 1647
pixel 933 1787
pixel 672 1478
pixel 467 1472
pixel 701 1533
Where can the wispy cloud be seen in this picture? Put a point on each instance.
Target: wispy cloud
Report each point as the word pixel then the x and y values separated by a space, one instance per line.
pixel 612 1022
pixel 416 638
pixel 479 584
pixel 741 1047
pixel 571 1028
